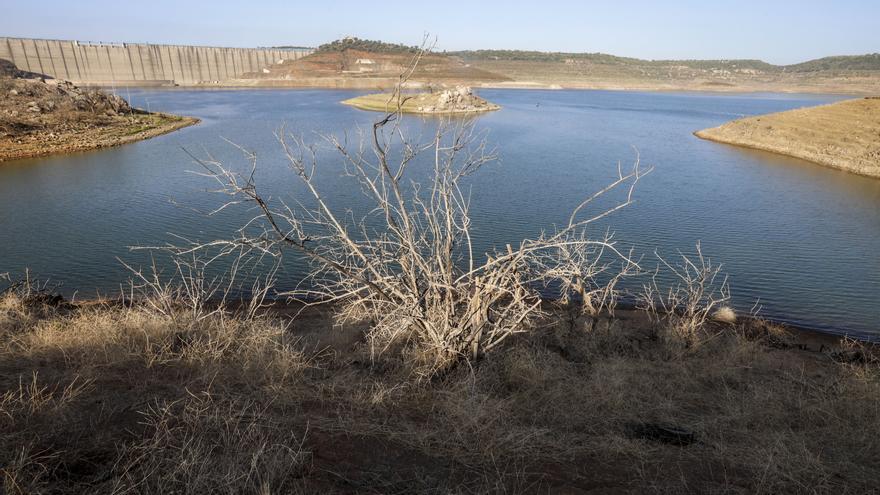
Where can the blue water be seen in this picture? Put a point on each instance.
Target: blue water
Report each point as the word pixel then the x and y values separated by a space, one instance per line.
pixel 799 239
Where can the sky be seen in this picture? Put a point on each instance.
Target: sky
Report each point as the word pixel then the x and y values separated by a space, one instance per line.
pixel 777 31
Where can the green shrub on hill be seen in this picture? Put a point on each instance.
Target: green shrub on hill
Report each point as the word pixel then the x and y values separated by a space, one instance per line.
pixel 351 43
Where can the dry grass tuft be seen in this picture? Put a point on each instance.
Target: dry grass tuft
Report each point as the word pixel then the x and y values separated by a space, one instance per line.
pixel 204 444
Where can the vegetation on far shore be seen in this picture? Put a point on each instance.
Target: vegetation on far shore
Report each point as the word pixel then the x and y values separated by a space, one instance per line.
pixel 867 62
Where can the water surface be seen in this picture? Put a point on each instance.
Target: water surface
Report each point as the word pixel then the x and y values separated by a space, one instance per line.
pixel 800 238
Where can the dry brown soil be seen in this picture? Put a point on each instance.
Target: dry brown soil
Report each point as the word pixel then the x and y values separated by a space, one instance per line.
pixel 843 135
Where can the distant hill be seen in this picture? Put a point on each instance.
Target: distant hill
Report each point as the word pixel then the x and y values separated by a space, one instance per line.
pixel 855 62
pixel 358 63
pixel 535 56
pixel 353 62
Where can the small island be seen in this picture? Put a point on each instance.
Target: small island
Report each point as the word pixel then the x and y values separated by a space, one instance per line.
pixel 42 116
pixel 843 135
pixel 460 100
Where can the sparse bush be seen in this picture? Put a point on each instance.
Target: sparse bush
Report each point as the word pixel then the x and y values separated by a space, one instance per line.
pixel 351 43
pixel 698 292
pixel 409 266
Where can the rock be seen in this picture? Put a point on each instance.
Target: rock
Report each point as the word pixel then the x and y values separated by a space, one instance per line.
pixel 13 92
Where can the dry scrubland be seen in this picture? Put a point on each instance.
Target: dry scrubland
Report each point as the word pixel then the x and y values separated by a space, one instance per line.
pixel 46 116
pixel 114 398
pixel 672 76
pixel 355 63
pixel 843 135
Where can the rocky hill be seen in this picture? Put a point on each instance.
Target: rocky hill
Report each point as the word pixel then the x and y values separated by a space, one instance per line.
pixel 40 116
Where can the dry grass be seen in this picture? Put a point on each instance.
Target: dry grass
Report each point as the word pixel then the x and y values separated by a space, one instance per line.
pixel 841 135
pixel 103 398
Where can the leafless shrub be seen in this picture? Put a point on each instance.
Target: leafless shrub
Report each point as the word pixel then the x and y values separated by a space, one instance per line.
pixel 409 266
pixel 193 290
pixel 698 290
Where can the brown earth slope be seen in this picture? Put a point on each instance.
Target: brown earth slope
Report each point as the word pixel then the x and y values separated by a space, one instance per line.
pixel 355 68
pixel 47 116
pixel 843 135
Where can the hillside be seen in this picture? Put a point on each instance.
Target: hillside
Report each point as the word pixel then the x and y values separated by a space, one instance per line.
pixel 370 64
pixel 358 63
pixel 851 74
pixel 842 135
pixel 870 62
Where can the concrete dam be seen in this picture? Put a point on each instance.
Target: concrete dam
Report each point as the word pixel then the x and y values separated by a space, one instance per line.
pixel 107 64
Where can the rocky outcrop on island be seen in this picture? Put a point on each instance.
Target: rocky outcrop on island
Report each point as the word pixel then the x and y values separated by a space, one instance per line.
pixel 458 100
pixel 41 116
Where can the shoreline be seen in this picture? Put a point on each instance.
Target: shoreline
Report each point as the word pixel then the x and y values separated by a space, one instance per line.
pixel 96 138
pixel 809 336
pixel 841 135
pixel 517 85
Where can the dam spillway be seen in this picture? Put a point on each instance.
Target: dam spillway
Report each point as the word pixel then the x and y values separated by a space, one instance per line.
pixel 106 64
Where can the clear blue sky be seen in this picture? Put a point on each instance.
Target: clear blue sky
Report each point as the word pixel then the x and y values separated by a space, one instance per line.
pixel 778 31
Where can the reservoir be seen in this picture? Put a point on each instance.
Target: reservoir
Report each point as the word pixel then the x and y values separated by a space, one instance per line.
pixel 800 241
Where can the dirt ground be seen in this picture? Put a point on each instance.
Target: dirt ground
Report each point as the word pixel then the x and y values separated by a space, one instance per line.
pixel 110 398
pixel 46 116
pixel 843 135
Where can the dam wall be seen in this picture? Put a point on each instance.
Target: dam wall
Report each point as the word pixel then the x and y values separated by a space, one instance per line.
pixel 92 63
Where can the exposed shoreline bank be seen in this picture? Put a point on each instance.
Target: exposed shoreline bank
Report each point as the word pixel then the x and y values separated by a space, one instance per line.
pixel 152 125
pixel 842 135
pixel 40 117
